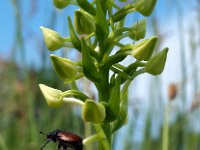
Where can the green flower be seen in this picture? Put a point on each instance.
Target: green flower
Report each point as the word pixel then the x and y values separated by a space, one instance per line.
pixel 144 49
pixel 52 39
pixel 60 4
pixel 66 69
pixel 145 7
pixel 156 64
pixel 84 22
pixel 53 96
pixel 93 112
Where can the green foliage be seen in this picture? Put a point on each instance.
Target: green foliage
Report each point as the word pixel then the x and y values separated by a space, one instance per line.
pixel 99 27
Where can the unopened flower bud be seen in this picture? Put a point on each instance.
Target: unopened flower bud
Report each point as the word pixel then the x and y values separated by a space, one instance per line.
pixel 156 64
pixel 66 69
pixel 145 7
pixel 52 96
pixel 52 39
pixel 93 112
pixel 138 30
pixel 144 49
pixel 84 22
pixel 60 4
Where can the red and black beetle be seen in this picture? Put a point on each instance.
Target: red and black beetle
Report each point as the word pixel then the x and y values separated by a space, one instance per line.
pixel 65 140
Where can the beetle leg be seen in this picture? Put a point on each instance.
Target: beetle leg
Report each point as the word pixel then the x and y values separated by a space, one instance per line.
pixel 59 146
pixel 47 141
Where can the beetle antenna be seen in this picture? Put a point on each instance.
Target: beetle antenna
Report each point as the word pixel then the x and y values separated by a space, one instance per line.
pixel 47 141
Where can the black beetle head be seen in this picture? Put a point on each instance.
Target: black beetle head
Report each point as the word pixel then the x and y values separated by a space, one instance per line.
pixel 52 136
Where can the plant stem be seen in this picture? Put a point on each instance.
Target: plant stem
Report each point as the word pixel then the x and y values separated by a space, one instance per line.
pixel 91 139
pixel 74 86
pixel 73 101
pixel 136 73
pixel 124 75
pixel 103 139
pixel 166 128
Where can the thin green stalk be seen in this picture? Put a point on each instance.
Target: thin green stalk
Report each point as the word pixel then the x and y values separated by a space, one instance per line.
pixel 103 139
pixel 73 101
pixel 119 66
pixel 91 139
pixel 124 75
pixel 165 138
pixel 88 132
pixel 74 86
pixel 68 45
pixel 135 74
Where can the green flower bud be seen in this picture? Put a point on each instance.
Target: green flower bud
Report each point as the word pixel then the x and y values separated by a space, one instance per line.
pixel 53 96
pixel 145 7
pixel 66 69
pixel 93 112
pixel 60 4
pixel 84 22
pixel 144 49
pixel 52 39
pixel 138 30
pixel 156 64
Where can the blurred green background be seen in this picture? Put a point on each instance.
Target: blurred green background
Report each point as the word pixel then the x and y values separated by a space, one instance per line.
pixel 163 111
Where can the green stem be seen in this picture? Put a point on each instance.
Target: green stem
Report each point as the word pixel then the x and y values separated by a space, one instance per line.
pixel 103 138
pixel 67 39
pixel 76 94
pixel 73 101
pixel 73 2
pixel 69 45
pixel 104 95
pixel 88 132
pixel 119 32
pixel 122 36
pixel 91 139
pixel 136 73
pixel 114 5
pixel 165 128
pixel 89 36
pixel 117 43
pixel 119 66
pixel 103 85
pixel 74 86
pixel 123 74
